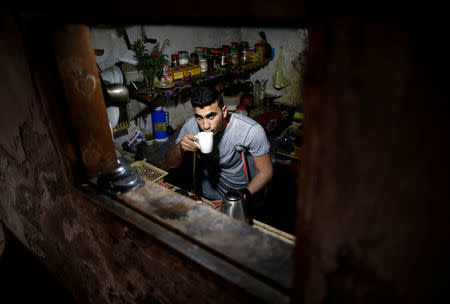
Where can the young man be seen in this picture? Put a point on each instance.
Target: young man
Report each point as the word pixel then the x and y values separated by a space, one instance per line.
pixel 223 168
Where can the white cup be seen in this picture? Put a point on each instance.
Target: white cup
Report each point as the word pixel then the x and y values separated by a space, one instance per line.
pixel 205 141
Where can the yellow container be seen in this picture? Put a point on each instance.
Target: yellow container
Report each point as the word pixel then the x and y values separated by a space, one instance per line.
pixel 185 71
pixel 149 172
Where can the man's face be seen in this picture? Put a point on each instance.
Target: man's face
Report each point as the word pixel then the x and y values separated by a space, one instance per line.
pixel 211 118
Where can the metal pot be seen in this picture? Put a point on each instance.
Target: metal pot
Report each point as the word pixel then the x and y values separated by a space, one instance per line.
pixel 234 205
pixel 116 94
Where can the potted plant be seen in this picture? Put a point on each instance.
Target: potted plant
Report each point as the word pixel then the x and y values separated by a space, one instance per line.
pixel 150 63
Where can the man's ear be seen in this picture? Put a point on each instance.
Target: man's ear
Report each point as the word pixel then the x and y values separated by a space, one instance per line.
pixel 225 111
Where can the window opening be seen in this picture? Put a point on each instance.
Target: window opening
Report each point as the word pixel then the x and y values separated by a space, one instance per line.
pixel 134 134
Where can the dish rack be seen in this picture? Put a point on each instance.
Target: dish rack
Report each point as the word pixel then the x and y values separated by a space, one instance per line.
pixel 149 172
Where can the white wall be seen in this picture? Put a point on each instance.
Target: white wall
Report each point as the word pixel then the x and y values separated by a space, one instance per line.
pixel 188 37
pixel 293 42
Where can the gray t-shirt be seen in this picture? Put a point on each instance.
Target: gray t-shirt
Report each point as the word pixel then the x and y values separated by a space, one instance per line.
pixel 222 169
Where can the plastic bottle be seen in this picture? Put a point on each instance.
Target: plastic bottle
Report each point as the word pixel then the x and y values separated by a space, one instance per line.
pixel 159 122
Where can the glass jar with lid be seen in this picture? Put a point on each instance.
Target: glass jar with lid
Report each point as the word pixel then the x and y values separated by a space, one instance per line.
pixel 217 57
pixel 183 57
pixel 203 64
pixel 260 48
pixel 234 57
pixel 223 59
pixel 244 54
pixel 206 51
pixel 194 58
pixel 200 52
pixel 174 60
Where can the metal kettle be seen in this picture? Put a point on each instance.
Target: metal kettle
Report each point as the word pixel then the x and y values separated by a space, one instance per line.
pixel 234 205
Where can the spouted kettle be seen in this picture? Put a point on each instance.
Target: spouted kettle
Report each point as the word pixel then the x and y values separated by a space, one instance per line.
pixel 234 205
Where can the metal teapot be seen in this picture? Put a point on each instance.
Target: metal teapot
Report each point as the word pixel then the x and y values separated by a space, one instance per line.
pixel 234 205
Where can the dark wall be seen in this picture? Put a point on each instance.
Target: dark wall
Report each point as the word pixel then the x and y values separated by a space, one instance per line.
pixel 373 211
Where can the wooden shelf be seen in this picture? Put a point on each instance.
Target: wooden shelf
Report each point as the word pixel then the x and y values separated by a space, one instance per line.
pixel 149 96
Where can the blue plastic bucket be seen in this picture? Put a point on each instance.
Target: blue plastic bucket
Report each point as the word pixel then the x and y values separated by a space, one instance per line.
pixel 160 121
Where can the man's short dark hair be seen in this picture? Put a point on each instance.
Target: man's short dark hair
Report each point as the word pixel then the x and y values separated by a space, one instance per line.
pixel 203 96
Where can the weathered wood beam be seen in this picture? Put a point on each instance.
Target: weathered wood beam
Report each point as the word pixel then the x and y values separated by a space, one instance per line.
pixel 82 85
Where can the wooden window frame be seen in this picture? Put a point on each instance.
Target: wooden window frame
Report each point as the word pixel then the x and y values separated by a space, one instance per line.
pixel 257 262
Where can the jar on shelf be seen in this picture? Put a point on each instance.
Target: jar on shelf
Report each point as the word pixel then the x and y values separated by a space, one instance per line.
pixel 234 57
pixel 203 64
pixel 205 51
pixel 199 51
pixel 244 54
pixel 260 48
pixel 183 57
pixel 252 55
pixel 193 58
pixel 174 60
pixel 217 58
pixel 223 59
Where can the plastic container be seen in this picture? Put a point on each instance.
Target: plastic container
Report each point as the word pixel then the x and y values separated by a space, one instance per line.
pixel 160 121
pixel 149 172
pixel 240 109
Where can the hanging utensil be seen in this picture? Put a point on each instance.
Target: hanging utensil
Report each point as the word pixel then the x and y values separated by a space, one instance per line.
pixel 122 32
pixel 145 38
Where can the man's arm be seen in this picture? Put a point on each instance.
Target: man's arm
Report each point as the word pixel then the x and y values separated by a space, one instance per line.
pixel 174 156
pixel 265 172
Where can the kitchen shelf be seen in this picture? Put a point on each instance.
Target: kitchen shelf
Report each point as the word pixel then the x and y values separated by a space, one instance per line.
pixel 149 96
